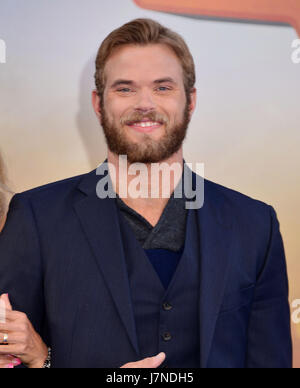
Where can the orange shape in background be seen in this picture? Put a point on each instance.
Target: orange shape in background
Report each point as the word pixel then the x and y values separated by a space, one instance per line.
pixel 278 11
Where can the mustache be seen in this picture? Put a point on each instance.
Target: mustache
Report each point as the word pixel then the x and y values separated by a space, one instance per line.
pixel 137 116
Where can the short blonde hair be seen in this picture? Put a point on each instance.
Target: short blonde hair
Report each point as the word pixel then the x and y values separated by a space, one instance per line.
pixel 2 175
pixel 4 193
pixel 142 32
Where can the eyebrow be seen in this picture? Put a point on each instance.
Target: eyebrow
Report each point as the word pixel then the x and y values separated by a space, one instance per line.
pixel 164 80
pixel 120 82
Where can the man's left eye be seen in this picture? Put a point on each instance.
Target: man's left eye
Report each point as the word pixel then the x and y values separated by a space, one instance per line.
pixel 163 88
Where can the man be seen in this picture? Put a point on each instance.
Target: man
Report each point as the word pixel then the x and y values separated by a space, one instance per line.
pixel 118 279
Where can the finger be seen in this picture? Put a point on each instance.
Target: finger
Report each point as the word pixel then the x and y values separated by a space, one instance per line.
pixel 10 327
pixel 13 338
pixel 7 365
pixel 15 349
pixel 151 362
pixel 14 315
pixel 2 311
pixel 6 300
pixel 6 359
pixel 10 365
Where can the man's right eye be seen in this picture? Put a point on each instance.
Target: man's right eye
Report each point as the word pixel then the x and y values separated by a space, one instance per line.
pixel 124 90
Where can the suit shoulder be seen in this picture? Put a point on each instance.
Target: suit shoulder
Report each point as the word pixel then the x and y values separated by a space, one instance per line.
pixel 252 217
pixel 53 190
pixel 235 201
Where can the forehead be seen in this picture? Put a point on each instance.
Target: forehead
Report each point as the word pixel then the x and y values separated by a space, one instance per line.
pixel 143 63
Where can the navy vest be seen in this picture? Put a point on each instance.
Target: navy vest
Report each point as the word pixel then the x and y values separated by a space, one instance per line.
pixel 166 320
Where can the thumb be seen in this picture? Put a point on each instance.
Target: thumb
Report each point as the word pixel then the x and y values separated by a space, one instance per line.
pixel 153 362
pixel 5 299
pixel 150 362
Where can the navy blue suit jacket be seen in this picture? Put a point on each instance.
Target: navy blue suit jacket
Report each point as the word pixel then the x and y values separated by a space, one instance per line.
pixel 63 264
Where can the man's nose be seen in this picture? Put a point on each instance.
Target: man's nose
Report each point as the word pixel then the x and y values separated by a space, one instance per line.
pixel 145 102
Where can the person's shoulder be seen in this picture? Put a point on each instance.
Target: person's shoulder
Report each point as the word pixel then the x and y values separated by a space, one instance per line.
pixel 237 204
pixel 224 198
pixel 52 191
pixel 229 194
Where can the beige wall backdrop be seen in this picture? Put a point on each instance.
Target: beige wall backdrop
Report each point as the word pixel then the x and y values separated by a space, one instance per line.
pixel 245 129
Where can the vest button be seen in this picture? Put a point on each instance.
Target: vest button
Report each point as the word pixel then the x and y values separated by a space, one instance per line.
pixel 167 306
pixel 167 337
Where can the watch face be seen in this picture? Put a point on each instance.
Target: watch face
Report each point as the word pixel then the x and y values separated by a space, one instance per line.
pixel 283 11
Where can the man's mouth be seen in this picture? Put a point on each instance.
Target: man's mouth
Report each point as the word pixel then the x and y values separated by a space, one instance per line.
pixel 145 125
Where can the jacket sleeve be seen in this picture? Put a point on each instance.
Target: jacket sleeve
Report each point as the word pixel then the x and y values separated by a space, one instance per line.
pixel 269 333
pixel 20 262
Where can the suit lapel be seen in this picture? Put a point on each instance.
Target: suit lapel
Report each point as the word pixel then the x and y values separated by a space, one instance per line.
pixel 216 238
pixel 99 220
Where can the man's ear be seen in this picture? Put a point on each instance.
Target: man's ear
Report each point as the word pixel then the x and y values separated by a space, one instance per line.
pixel 96 103
pixel 193 97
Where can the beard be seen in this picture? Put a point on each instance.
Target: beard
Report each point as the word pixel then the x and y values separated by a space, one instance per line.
pixel 147 150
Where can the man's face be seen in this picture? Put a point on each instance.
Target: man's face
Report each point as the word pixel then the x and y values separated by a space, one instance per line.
pixel 144 110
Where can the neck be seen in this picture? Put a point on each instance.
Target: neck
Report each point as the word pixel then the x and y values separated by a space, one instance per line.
pixel 146 188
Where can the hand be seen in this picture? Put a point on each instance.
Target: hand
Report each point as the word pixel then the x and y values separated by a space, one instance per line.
pixel 151 362
pixel 24 343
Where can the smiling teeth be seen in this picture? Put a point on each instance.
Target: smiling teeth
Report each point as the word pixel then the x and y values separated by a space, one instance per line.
pixel 146 124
